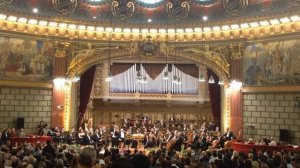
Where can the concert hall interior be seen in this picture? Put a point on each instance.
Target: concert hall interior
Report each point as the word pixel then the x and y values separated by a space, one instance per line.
pixel 228 67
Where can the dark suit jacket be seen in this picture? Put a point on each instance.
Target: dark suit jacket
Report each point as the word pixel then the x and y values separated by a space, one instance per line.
pixel 96 137
pixel 228 136
pixel 86 140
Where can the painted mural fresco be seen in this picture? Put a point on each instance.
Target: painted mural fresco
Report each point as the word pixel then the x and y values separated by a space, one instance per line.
pixel 272 63
pixel 28 60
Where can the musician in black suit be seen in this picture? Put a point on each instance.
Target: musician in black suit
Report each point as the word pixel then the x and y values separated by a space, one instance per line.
pixel 96 137
pixel 70 137
pixel 51 132
pixel 179 140
pixel 203 141
pixel 228 135
pixel 195 144
pixel 87 140
pixel 4 136
pixel 115 137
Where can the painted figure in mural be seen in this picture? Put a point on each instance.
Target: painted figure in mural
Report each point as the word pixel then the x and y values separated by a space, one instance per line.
pixel 286 63
pixel 25 59
pixel 253 73
pixel 277 59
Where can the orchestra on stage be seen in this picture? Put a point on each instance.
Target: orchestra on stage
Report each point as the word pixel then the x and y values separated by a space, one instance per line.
pixel 173 134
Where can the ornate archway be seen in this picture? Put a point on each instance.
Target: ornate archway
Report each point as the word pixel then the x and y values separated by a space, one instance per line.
pixel 90 57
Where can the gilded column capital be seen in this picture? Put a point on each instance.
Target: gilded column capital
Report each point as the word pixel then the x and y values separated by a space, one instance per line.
pixel 61 49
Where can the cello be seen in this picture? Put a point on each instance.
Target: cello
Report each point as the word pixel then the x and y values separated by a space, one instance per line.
pixel 170 144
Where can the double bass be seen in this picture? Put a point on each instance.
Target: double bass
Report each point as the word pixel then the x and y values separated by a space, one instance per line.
pixel 170 144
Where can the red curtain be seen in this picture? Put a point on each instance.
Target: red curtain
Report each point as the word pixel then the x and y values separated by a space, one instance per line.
pixel 190 69
pixel 118 68
pixel 86 84
pixel 215 97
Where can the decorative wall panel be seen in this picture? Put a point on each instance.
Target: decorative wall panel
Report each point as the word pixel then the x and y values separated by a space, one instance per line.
pixel 22 59
pixel 272 63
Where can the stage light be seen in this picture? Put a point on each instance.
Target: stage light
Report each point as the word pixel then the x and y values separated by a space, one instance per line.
pixel 198 30
pixel 171 30
pixel 162 30
pixel 179 30
pixel 108 29
pixel 12 18
pixel 64 25
pixel 33 21
pixel 145 31
pixel 35 10
pixel 295 18
pixel 254 24
pixel 216 28
pixel 100 29
pixel 244 25
pixel 189 30
pixel 211 80
pixel 225 27
pixel 235 26
pixel 264 23
pixel 52 24
pixel 274 22
pixel 22 20
pixel 135 30
pixel 81 27
pixel 2 16
pixel 284 20
pixel 236 85
pixel 72 26
pixel 127 30
pixel 91 28
pixel 43 23
pixel 153 30
pixel 118 30
pixel 206 29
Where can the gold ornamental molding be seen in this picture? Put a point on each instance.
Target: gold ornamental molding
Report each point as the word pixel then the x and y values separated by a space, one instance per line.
pixel 220 31
pixel 65 7
pixel 26 84
pixel 267 89
pixel 178 10
pixel 116 10
pixel 153 97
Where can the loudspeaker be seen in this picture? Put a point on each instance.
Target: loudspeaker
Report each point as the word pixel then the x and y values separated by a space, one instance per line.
pixel 284 135
pixel 20 122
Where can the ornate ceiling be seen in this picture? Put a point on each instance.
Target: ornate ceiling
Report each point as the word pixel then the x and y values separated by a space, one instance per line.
pixel 159 11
